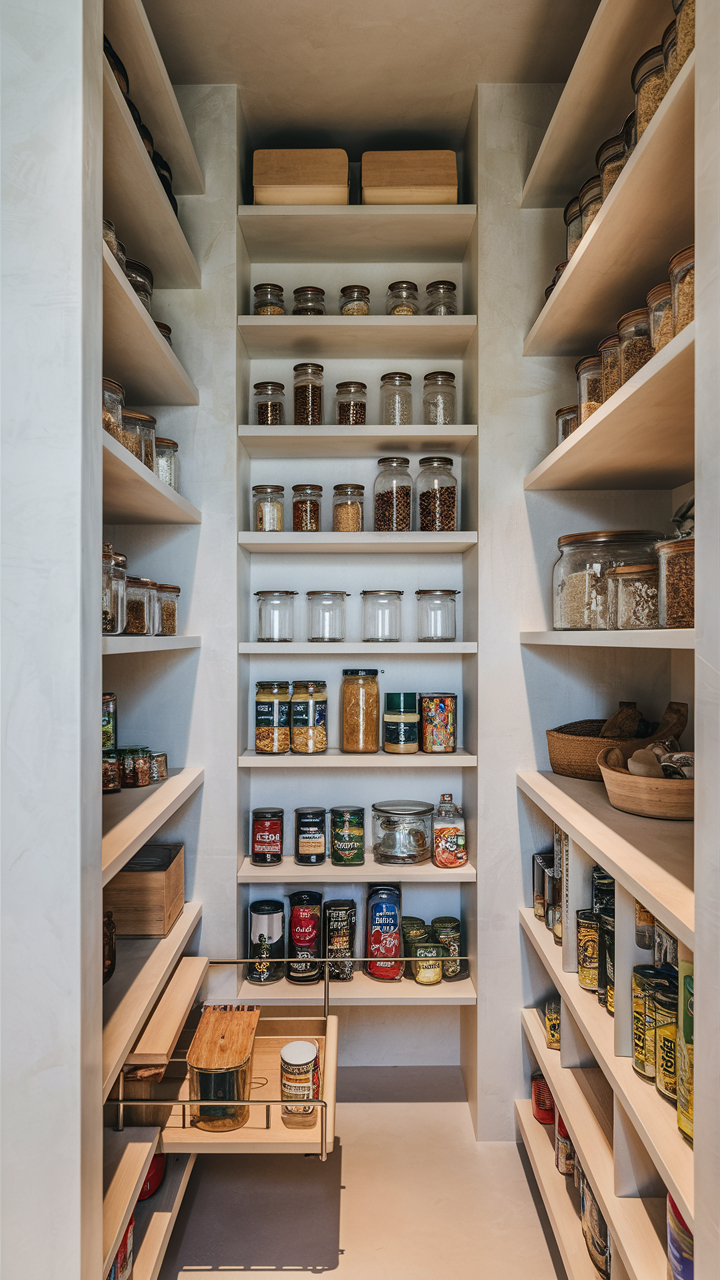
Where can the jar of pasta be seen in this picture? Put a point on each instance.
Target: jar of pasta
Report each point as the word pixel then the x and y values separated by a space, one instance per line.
pixel 635 345
pixel 573 224
pixel 308 717
pixel 590 386
pixel 610 162
pixel 272 717
pixel 609 352
pixel 591 199
pixel 402 299
pixel 354 300
pixel 682 283
pixel 269 300
pixel 360 711
pixel 659 305
pixel 648 85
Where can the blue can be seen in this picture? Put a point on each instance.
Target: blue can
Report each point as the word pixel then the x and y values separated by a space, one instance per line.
pixel 384 935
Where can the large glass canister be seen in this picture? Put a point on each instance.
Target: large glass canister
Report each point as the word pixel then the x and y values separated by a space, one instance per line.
pixel 393 496
pixel 326 616
pixel 590 386
pixel 591 199
pixel 635 345
pixel 142 425
pixel 609 352
pixel 308 717
pixel 439 399
pixel 360 711
pixel 436 614
pixel 632 598
pixel 396 400
pixel 269 404
pixel 670 53
pixel 308 394
pixel 573 223
pixel 649 87
pixel 580 575
pixel 268 508
pixel 441 298
pixel 140 607
pixel 402 832
pixel 437 495
pixel 351 404
pixel 269 300
pixel 610 161
pixel 676 607
pixel 308 301
pixel 402 299
pixel 566 421
pixel 348 508
pixel 381 615
pixel 166 462
pixel 113 397
pixel 659 305
pixel 276 615
pixel 682 281
pixel 272 717
pixel 306 502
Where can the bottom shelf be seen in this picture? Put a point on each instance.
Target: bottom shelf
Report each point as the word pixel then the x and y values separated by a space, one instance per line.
pixel 559 1195
pixel 126 1160
pixel 155 1218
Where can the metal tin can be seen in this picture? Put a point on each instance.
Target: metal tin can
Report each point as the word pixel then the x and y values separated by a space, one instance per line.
pixel 384 944
pixel 644 928
pixel 267 941
pixel 305 936
pixel 543 1103
pixel 339 921
pixel 299 1083
pixel 542 862
pixel 447 930
pixel 587 947
pixel 158 766
pixel 645 979
pixel 665 948
pixel 309 837
pixel 439 722
pixel 686 1037
pixel 552 1023
pixel 564 1149
pixel 680 1244
pixel 603 889
pixel 427 962
pixel 606 960
pixel 666 1026
pixel 347 837
pixel 266 841
pixel 413 930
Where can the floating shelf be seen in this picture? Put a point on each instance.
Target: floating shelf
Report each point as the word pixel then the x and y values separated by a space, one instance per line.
pixel 148 644
pixel 363 990
pixel 288 872
pixel 647 217
pixel 361 544
pixel 357 233
pixel 132 493
pixel 404 649
pixel 126 1160
pixel 333 758
pixel 155 1218
pixel 662 638
pixel 351 442
pixel 134 350
pixel 560 1199
pixel 652 1116
pixel 357 337
pixel 162 1031
pixel 643 437
pixel 133 815
pixel 142 969
pixel 135 200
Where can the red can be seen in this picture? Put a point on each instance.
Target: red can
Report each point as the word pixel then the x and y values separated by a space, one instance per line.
pixel 384 940
pixel 266 843
pixel 305 936
pixel 543 1103
pixel 153 1178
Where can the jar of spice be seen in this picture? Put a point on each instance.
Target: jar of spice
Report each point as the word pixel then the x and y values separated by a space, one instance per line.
pixel 354 300
pixel 400 724
pixel 609 352
pixel 326 616
pixel 165 331
pixel 635 345
pixel 437 495
pixel 113 397
pixel 275 615
pixel 167 609
pixel 402 299
pixel 272 717
pixel 580 576
pixel 438 713
pixel 632 597
pixel 140 607
pixel 393 496
pixel 268 508
pixel 441 299
pixel 158 766
pixel 436 614
pixel 591 199
pixel 308 717
pixel 113 586
pixel 439 399
pixel 381 615
pixel 269 402
pixel 134 766
pixel 677 582
pixel 659 305
pixel 110 772
pixel 360 712
pixel 648 85
pixel 269 300
pixel 566 421
pixel 141 426
pixel 308 395
pixel 610 162
pixel 669 50
pixel 309 301
pixel 141 279
pixel 402 832
pixel 166 461
pixel 306 508
pixel 348 508
pixel 685 18
pixel 573 224
pixel 682 281
pixel 590 386
pixel 396 399
pixel 351 404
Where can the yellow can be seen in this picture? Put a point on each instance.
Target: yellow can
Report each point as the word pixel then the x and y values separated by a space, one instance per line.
pixel 666 1019
pixel 685 1054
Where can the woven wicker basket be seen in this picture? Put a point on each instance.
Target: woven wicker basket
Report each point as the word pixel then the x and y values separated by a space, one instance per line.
pixel 574 748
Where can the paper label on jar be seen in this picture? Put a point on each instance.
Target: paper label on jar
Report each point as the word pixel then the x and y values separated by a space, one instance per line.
pixel 449 843
pixel 272 713
pixel 309 713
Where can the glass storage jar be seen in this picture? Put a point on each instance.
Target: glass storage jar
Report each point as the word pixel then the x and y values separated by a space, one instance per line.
pixel 111 781
pixel 629 132
pixel 393 496
pixel 309 301
pixel 140 607
pixel 670 53
pixel 269 402
pixel 439 399
pixel 676 606
pixel 609 352
pixel 268 508
pixel 272 717
pixel 685 18
pixel 441 298
pixel 402 832
pixel 113 593
pixel 131 435
pixel 590 386
pixel 580 582
pixel 134 766
pixel 632 597
pixel 120 577
pixel 610 162
pixel 351 404
pixel 141 279
pixel 436 614
pixel 306 508
pixel 348 508
pixel 437 495
pixel 648 85
pixel 326 616
pixel 682 282
pixel 121 255
pixel 360 711
pixel 158 766
pixel 166 461
pixel 381 615
pixel 276 620
pixel 308 717
pixel 308 395
pixel 113 397
pixel 141 425
pixel 659 305
pixel 167 609
pixel 566 421
pixel 635 345
pixel 573 224
pixel 109 722
pixel 110 236
pixel 165 330
pixel 354 300
pixel 590 202
pixel 269 300
pixel 402 299
pixel 400 724
pixel 396 399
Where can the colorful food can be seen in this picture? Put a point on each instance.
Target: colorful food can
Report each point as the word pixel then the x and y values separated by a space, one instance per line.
pixel 309 837
pixel 109 722
pixel 305 936
pixel 413 930
pixel 543 1103
pixel 267 941
pixel 347 837
pixel 339 921
pixel 686 1036
pixel 122 1267
pixel 606 960
pixel 603 890
pixel 439 722
pixel 266 841
pixel 299 1083
pixel 384 946
pixel 645 982
pixel 588 924
pixel 680 1244
pixel 594 1229
pixel 644 928
pixel 666 1025
pixel 448 930
pixel 564 1149
pixel 552 1023
pixel 427 962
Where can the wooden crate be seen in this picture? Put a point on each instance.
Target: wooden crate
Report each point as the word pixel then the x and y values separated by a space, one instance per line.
pixel 301 176
pixel 409 177
pixel 147 897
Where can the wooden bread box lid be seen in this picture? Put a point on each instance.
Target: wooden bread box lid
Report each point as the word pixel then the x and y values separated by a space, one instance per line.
pixel 301 176
pixel 409 177
pixel 224 1038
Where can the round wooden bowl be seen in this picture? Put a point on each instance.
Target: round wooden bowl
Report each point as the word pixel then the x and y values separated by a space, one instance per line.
pixel 669 798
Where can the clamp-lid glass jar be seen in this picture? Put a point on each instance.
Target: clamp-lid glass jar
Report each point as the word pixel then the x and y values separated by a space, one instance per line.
pixel 610 162
pixel 166 461
pixel 649 87
pixel 635 345
pixel 659 305
pixel 351 404
pixel 441 298
pixel 354 300
pixel 682 282
pixel 140 607
pixel 360 711
pixel 269 300
pixel 141 279
pixel 308 717
pixel 276 615
pixel 142 425
pixel 437 495
pixel 676 606
pixel 308 394
pixel 439 398
pixel 580 575
pixel 670 53
pixel 326 616
pixel 402 299
pixel 348 508
pixel 269 402
pixel 436 614
pixel 306 508
pixel 272 717
pixel 309 301
pixel 590 386
pixel 268 508
pixel 402 832
pixel 573 223
pixel 632 597
pixel 393 496
pixel 396 399
pixel 381 615
pixel 167 609
pixel 566 421
pixel 113 397
pixel 591 199
pixel 609 352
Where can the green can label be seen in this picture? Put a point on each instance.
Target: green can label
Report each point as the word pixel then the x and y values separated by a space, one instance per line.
pixel 347 837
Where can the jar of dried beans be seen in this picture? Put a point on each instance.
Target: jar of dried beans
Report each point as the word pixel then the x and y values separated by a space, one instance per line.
pixel 566 421
pixel 439 399
pixel 441 299
pixel 381 616
pixel 326 616
pixel 590 386
pixel 670 53
pixel 360 711
pixel 272 717
pixel 396 399
pixel 659 305
pixel 635 345
pixel 580 575
pixel 648 85
pixel 113 397
pixel 140 607
pixel 393 496
pixel 402 299
pixel 591 199
pixel 268 508
pixel 685 18
pixel 306 508
pixel 308 395
pixel 141 279
pixel 269 300
pixel 677 582
pixel 354 300
pixel 276 615
pixel 166 461
pixel 351 404
pixel 682 282
pixel 167 609
pixel 141 427
pixel 309 301
pixel 308 717
pixel 573 224
pixel 609 352
pixel 437 495
pixel 610 161
pixel 269 401
pixel 348 508
pixel 632 597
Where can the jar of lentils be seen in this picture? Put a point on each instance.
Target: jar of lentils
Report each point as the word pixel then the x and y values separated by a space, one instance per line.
pixel 439 399
pixel 676 558
pixel 393 496
pixel 566 421
pixel 309 301
pixel 590 386
pixel 591 199
pixel 659 305
pixel 166 461
pixel 268 508
pixel 610 161
pixel 167 609
pixel 573 224
pixel 306 508
pixel 437 495
pixel 402 299
pixel 441 299
pixel 140 607
pixel 609 352
pixel 269 300
pixel 269 402
pixel 113 397
pixel 308 395
pixel 354 300
pixel 396 399
pixel 351 404
pixel 348 508
pixel 635 345
pixel 648 85
pixel 682 282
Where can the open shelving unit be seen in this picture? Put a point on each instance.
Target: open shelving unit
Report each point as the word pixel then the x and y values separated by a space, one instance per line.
pixel 148 644
pixel 132 816
pixel 288 872
pixel 352 233
pixel 359 544
pixel 400 648
pixel 333 758
pixel 132 493
pixel 362 991
pixel 126 1160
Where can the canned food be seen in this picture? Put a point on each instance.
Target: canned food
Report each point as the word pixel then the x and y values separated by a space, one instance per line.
pixel 543 1103
pixel 447 930
pixel 339 920
pixel 603 889
pixel 347 837
pixel 427 961
pixel 299 1083
pixel 542 862
pixel 383 934
pixel 439 722
pixel 304 936
pixel 666 1025
pixel 309 837
pixel 587 948
pixel 644 928
pixel 267 941
pixel 645 982
pixel 686 1035
pixel 413 930
pixel 266 842
pixel 606 960
pixel 564 1150
pixel 680 1244
pixel 665 948
pixel 552 1023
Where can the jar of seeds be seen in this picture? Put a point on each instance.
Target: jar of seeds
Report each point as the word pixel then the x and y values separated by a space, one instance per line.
pixel 306 508
pixel 648 85
pixel 268 508
pixel 610 161
pixel 573 224
pixel 682 282
pixel 580 575
pixel 437 495
pixel 677 583
pixel 308 395
pixel 351 404
pixel 685 18
pixel 591 199
pixel 113 397
pixel 635 345
pixel 269 402
pixel 348 508
pixel 167 609
pixel 309 301
pixel 402 299
pixel 140 607
pixel 354 300
pixel 632 597
pixel 441 299
pixel 590 386
pixel 609 352
pixel 166 461
pixel 566 421
pixel 670 55
pixel 439 398
pixel 269 300
pixel 141 426
pixel 659 305
pixel 393 496
pixel 141 279
pixel 396 399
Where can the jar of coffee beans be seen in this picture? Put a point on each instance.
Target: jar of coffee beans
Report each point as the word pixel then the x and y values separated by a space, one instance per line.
pixel 306 508
pixel 393 496
pixel 308 395
pixel 396 399
pixel 354 300
pixel 309 301
pixel 351 404
pixel 437 495
pixel 402 299
pixel 269 300
pixel 270 404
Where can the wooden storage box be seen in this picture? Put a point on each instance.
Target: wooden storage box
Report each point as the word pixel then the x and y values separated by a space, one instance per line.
pixel 147 897
pixel 409 177
pixel 301 176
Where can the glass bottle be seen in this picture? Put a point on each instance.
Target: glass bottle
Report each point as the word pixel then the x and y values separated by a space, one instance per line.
pixel 308 717
pixel 649 87
pixel 309 301
pixel 348 508
pixel 272 717
pixel 566 421
pixel 268 508
pixel 308 395
pixel 590 387
pixel 351 404
pixel 354 300
pixel 437 495
pixel 141 279
pixel 140 606
pixel 439 399
pixel 166 462
pixel 610 162
pixel 142 425
pixel 396 399
pixel 441 298
pixel 573 224
pixel 269 402
pixel 269 300
pixel 436 614
pixel 635 345
pixel 306 508
pixel 682 282
pixel 609 352
pixel 381 615
pixel 326 616
pixel 659 305
pixel 167 609
pixel 360 711
pixel 113 397
pixel 591 199
pixel 393 496
pixel 276 615
pixel 402 299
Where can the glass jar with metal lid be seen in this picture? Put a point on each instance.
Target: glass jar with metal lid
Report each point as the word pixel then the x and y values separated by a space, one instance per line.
pixel 326 616
pixel 580 575
pixel 113 587
pixel 685 18
pixel 306 508
pixel 276 615
pixel 120 577
pixel 566 421
pixel 436 614
pixel 309 301
pixel 142 425
pixel 269 300
pixel 268 508
pixel 441 298
pixel 360 711
pixel 308 717
pixel 396 399
pixel 591 199
pixel 676 558
pixel 351 404
pixel 141 605
pixel 308 394
pixel 659 305
pixel 113 397
pixel 573 224
pixel 166 462
pixel 609 352
pixel 381 616
pixel 649 87
pixel 635 345
pixel 269 402
pixel 632 597
pixel 402 832
pixel 670 53
pixel 590 386
pixel 682 282
pixel 436 488
pixel 354 300
pixel 348 508
pixel 393 496
pixel 165 330
pixel 272 717
pixel 439 398
pixel 141 279
pixel 134 766
pixel 402 299
pixel 131 434
pixel 167 609
pixel 610 162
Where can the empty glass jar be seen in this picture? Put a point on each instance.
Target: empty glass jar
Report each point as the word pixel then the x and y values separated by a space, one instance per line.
pixel 141 279
pixel 441 299
pixel 402 299
pixel 437 495
pixel 566 421
pixel 113 593
pixel 393 496
pixel 649 87
pixel 573 224
pixel 590 202
pixel 269 300
pixel 276 620
pixel 436 614
pixel 309 301
pixel 308 394
pixel 580 575
pixel 306 508
pixel 382 615
pixel 268 508
pixel 348 508
pixel 402 831
pixel 439 399
pixel 354 300
pixel 166 462
pixel 396 399
pixel 113 397
pixel 140 607
pixel 351 404
pixel 326 616
pixel 269 402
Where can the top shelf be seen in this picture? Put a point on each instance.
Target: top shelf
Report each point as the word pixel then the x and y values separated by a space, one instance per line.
pixel 357 233
pixel 596 99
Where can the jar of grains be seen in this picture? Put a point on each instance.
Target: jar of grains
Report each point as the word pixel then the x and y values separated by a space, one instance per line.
pixel 276 615
pixel 396 399
pixel 167 609
pixel 272 717
pixel 354 300
pixel 580 575
pixel 635 345
pixel 629 132
pixel 669 49
pixel 308 717
pixel 659 305
pixel 309 301
pixel 306 508
pixel 610 161
pixel 685 18
pixel 676 607
pixel 566 421
pixel 591 199
pixel 609 352
pixel 165 330
pixel 140 607
pixel 269 300
pixel 268 508
pixel 141 279
pixel 436 614
pixel 348 508
pixel 326 616
pixel 437 495
pixel 441 298
pixel 682 281
pixel 113 397
pixel 393 496
pixel 142 425
pixel 360 711
pixel 351 404
pixel 439 399
pixel 166 461
pixel 308 395
pixel 402 299
pixel 269 404
pixel 590 386
pixel 381 616
pixel 573 224
pixel 648 85
pixel 632 597
pixel 113 582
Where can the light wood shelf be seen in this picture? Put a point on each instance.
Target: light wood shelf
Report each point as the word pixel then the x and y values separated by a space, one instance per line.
pixel 643 437
pixel 133 815
pixel 596 99
pixel 647 217
pixel 155 1218
pixel 134 350
pixel 661 638
pixel 135 200
pixel 288 872
pixel 148 644
pixel 363 990
pixel 357 233
pixel 559 1195
pixel 652 1116
pixel 126 1160
pixel 361 544
pixel 132 493
pixel 651 858
pixel 142 970
pixel 351 442
pixel 401 648
pixel 357 337
pixel 333 758
pixel 584 1099
pixel 130 34
pixel 162 1031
